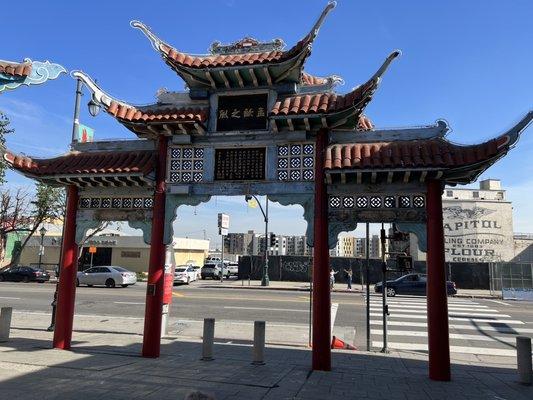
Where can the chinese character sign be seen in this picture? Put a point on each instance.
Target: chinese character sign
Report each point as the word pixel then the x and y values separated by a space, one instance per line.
pixel 242 113
pixel 240 164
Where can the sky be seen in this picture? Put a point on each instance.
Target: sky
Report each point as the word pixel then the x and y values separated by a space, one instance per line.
pixel 467 62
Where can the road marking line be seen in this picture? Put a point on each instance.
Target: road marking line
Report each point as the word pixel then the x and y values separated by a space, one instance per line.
pixel 503 329
pixel 492 321
pixel 458 336
pixel 453 349
pixel 499 302
pixel 400 311
pixel 176 294
pixel 76 315
pixel 10 298
pixel 265 309
pixel 128 302
pixel 423 302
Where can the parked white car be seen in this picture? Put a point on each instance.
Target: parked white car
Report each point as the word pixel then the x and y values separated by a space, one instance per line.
pixel 185 274
pixel 110 276
pixel 233 268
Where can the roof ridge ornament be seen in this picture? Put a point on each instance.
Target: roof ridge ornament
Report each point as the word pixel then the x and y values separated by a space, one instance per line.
pixel 98 95
pixel 316 27
pixel 246 45
pixel 155 41
pixel 35 73
pixel 390 58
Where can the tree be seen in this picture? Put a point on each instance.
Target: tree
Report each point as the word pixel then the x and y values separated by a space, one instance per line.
pixel 14 210
pixel 4 130
pixel 49 205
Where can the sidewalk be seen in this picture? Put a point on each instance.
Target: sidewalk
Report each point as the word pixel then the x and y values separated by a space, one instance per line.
pixel 304 287
pixel 105 364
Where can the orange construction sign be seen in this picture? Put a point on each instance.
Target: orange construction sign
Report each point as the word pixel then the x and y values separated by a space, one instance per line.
pixel 92 249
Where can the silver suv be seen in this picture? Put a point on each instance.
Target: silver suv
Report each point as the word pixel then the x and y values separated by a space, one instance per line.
pixel 213 271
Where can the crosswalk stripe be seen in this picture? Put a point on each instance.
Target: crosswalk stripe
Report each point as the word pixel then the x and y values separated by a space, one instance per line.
pixel 402 312
pixel 453 349
pixel 419 299
pixel 484 328
pixel 424 305
pixel 457 336
pixel 411 316
pixel 420 308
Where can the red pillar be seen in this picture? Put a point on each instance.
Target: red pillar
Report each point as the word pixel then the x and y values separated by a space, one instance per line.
pixel 67 277
pixel 156 268
pixel 437 301
pixel 321 290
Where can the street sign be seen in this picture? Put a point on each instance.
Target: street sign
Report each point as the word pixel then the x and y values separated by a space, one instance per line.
pixel 92 249
pixel 222 231
pixel 223 221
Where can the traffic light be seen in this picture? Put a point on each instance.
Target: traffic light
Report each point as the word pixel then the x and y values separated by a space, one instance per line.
pixel 272 239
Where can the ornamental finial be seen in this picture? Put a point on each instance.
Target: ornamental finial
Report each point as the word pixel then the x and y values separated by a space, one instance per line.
pixel 154 40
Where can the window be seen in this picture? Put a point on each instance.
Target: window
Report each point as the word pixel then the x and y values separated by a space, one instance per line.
pixel 102 270
pixel 475 195
pixel 449 193
pixel 130 254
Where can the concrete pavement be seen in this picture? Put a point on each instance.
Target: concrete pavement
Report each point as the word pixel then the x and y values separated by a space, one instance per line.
pixel 106 365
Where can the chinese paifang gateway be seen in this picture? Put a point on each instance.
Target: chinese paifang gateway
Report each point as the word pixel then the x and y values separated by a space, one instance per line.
pixel 254 122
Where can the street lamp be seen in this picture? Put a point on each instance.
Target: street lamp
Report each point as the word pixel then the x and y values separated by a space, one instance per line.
pixel 94 107
pixel 42 231
pixel 264 278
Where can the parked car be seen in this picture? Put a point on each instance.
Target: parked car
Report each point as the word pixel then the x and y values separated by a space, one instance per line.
pixel 184 274
pixel 411 284
pixel 214 270
pixel 233 268
pixel 197 270
pixel 24 274
pixel 110 276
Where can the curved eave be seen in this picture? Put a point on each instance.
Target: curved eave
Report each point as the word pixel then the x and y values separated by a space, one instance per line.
pixel 135 168
pixel 281 66
pixel 14 75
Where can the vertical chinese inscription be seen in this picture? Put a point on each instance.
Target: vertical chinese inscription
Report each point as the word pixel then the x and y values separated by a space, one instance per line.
pixel 240 164
pixel 242 113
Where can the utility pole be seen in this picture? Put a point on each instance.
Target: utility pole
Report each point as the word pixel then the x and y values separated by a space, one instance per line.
pixel 264 279
pixel 384 289
pixel 367 279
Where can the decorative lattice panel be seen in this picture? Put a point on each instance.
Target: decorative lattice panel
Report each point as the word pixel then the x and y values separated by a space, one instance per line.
pixel 186 164
pixel 296 162
pixel 377 202
pixel 135 203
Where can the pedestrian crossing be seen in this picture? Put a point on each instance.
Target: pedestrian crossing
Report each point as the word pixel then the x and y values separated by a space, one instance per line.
pixel 475 328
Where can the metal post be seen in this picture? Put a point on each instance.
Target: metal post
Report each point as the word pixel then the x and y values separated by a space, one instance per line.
pixel 67 277
pixel 76 124
pixel 523 355
pixel 259 343
pixel 310 297
pixel 265 280
pixel 92 254
pixel 368 339
pixel 437 300
pixel 385 307
pixel 208 339
pixel 156 268
pixel 41 251
pixel 222 258
pixel 321 287
pixel 5 323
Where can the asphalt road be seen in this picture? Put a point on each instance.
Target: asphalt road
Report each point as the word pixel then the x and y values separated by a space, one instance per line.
pixel 478 327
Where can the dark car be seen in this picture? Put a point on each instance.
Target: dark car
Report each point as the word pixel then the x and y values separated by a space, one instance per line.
pixel 24 274
pixel 411 284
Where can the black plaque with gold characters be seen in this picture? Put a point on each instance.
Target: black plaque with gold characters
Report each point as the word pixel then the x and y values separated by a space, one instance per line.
pixel 240 164
pixel 242 113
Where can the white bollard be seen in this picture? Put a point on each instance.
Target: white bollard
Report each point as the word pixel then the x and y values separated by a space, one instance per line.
pixel 259 343
pixel 209 337
pixel 523 355
pixel 5 323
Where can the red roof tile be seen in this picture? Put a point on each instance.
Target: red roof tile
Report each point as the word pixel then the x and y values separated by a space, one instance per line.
pixel 75 163
pixel 15 69
pixel 432 153
pixel 162 114
pixel 320 103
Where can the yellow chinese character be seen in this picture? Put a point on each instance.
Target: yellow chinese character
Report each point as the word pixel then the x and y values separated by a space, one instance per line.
pixel 248 113
pixel 260 112
pixel 236 113
pixel 222 114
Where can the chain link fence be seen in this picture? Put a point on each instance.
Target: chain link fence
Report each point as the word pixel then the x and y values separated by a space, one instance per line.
pixel 512 280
